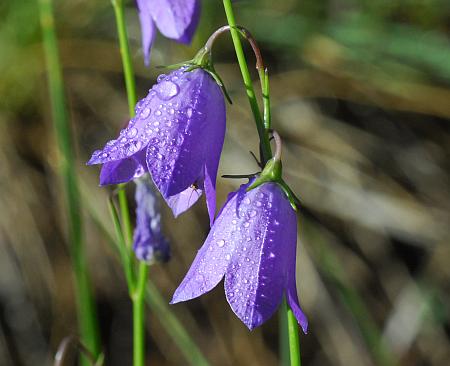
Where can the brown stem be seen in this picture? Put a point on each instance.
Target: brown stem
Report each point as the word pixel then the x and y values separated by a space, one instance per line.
pixel 247 35
pixel 278 145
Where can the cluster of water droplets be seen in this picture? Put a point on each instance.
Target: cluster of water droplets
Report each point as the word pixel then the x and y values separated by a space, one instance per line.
pixel 174 124
pixel 162 123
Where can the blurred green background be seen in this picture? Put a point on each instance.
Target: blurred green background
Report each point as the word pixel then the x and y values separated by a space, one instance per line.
pixel 360 95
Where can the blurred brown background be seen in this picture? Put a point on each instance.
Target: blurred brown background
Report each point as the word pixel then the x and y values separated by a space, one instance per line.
pixel 360 95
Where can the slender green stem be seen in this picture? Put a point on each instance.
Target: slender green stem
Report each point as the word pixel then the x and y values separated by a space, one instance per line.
pixel 139 316
pixel 266 99
pixel 294 343
pixel 263 135
pixel 125 53
pixel 283 340
pixel 125 215
pixel 122 248
pixel 86 309
pixel 138 296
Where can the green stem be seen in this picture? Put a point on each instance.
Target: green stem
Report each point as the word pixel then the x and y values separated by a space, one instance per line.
pixel 122 248
pixel 86 310
pixel 138 297
pixel 294 343
pixel 283 332
pixel 139 316
pixel 263 135
pixel 125 54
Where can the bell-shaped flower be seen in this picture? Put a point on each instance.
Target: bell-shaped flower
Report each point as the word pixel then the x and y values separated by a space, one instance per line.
pixel 253 245
pixel 177 135
pixel 149 244
pixel 175 19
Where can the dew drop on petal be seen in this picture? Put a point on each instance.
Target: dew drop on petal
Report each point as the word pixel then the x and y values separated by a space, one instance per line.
pixel 146 112
pixel 167 90
pixel 199 278
pixel 132 132
pixel 221 243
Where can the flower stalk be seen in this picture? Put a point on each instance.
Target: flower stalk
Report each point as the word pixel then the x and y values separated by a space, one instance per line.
pixel 85 303
pixel 266 152
pixel 137 290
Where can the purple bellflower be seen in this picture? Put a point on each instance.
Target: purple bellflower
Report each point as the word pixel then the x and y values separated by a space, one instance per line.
pixel 175 19
pixel 177 135
pixel 253 245
pixel 149 243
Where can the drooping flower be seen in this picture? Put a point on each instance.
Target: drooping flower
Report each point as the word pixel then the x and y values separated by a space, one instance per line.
pixel 177 135
pixel 253 245
pixel 149 244
pixel 175 19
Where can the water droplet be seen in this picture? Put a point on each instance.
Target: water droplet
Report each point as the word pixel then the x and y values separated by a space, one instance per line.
pixel 158 113
pixel 180 139
pixel 159 156
pixel 156 123
pixel 247 200
pixel 132 132
pixel 258 203
pixel 272 255
pixel 161 78
pixel 172 111
pixel 189 112
pixel 221 243
pixel 199 278
pixel 104 155
pixel 228 257
pixel 246 224
pixel 252 213
pixel 146 112
pixel 167 90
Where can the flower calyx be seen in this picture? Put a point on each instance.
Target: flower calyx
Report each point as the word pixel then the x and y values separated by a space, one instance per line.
pixel 272 172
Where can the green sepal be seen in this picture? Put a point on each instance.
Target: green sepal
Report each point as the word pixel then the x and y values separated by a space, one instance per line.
pixel 271 173
pixel 293 199
pixel 202 60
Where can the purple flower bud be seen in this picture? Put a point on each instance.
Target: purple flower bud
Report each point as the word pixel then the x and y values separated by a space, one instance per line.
pixel 175 19
pixel 177 135
pixel 253 245
pixel 149 243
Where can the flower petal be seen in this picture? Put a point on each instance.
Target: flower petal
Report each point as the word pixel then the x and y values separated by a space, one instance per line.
pixel 124 170
pixel 176 19
pixel 183 200
pixel 255 281
pixel 213 258
pixel 176 159
pixel 148 243
pixel 147 28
